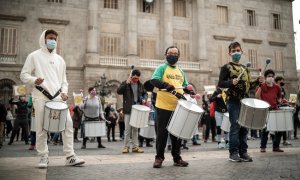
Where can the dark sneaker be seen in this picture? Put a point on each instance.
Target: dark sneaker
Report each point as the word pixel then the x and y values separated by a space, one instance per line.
pixel 277 150
pixel 234 157
pixel 158 163
pixel 83 147
pixel 181 163
pixel 246 158
pixel 101 146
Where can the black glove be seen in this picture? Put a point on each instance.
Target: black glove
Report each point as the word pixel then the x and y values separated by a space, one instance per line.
pixel 170 88
pixel 191 92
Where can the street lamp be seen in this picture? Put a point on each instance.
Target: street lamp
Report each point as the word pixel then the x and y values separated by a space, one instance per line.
pixel 103 87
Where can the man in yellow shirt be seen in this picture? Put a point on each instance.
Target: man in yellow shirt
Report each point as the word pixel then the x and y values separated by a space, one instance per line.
pixel 168 76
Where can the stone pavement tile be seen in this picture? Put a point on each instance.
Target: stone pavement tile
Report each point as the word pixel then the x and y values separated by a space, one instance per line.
pixel 25 168
pixel 203 165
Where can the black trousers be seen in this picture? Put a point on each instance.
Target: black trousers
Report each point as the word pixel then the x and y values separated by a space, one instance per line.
pixel 122 129
pixel 112 128
pixel 163 117
pixel 9 127
pixel 24 125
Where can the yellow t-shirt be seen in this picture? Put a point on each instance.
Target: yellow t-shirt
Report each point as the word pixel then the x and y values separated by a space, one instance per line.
pixel 173 76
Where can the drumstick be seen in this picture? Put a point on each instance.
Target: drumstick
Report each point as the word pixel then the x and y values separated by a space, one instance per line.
pixel 189 87
pixel 268 61
pixel 247 65
pixel 132 67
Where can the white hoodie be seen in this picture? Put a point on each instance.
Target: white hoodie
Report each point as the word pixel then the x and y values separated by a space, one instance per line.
pixel 49 66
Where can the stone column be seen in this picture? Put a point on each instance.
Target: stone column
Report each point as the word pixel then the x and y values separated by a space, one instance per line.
pixel 201 30
pixel 132 33
pixel 92 55
pixel 168 23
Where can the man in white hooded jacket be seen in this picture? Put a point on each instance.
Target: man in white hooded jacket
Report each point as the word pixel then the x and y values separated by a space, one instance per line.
pixel 45 69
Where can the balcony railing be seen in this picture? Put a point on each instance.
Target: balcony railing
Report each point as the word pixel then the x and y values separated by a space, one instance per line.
pixel 150 63
pixel 153 63
pixel 113 61
pixel 9 59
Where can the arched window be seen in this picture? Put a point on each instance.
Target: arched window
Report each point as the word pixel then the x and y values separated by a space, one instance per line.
pixel 6 90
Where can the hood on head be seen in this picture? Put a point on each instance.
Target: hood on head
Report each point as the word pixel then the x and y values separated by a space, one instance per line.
pixel 42 41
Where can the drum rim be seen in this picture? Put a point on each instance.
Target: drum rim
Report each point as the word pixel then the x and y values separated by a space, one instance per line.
pixel 255 100
pixel 181 100
pixel 55 108
pixel 139 105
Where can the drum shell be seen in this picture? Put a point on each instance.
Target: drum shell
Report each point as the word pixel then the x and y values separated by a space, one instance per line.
pixel 139 117
pixel 184 122
pixel 226 122
pixel 280 120
pixel 94 128
pixel 55 119
pixel 147 132
pixel 253 117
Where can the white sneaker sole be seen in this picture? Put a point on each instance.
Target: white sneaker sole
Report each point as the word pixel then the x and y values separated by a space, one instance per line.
pixel 76 164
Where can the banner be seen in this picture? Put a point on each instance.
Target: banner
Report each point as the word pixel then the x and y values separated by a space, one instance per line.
pixel 78 99
pixel 293 98
pixel 20 90
pixel 210 89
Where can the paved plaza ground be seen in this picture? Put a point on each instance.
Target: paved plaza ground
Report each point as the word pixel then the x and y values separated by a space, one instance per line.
pixel 206 162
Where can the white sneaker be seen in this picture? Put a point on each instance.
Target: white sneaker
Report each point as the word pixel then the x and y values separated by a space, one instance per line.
pixel 74 161
pixel 43 162
pixel 221 145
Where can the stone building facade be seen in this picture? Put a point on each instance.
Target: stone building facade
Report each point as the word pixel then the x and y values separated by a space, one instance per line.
pixel 99 37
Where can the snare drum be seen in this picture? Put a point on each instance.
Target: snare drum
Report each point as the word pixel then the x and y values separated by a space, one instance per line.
pixel 253 113
pixel 281 120
pixel 147 132
pixel 225 123
pixel 94 128
pixel 55 116
pixel 139 116
pixel 184 120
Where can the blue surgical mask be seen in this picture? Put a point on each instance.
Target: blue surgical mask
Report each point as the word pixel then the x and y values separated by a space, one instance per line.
pixel 51 44
pixel 236 56
pixel 172 59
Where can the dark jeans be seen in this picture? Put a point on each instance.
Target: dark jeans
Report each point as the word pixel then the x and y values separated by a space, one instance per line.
pixel 122 129
pixel 9 127
pixel 75 133
pixel 32 138
pixel 112 128
pixel 210 126
pixel 264 139
pixel 85 139
pixel 24 125
pixel 163 117
pixel 238 134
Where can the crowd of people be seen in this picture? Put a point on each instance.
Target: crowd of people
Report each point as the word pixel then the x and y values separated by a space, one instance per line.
pixel 168 86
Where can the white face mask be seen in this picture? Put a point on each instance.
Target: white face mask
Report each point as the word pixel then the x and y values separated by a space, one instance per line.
pixel 269 80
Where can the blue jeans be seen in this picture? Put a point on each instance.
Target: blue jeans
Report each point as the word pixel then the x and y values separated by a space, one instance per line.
pixel 238 134
pixel 32 138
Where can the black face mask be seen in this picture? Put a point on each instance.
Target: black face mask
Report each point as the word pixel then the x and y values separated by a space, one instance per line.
pixel 172 59
pixel 282 84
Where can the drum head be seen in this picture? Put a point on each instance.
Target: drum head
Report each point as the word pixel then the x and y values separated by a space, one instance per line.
pixel 255 103
pixel 190 106
pixel 56 105
pixel 287 108
pixel 141 107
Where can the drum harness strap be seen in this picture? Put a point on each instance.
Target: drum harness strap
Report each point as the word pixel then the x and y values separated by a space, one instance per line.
pixel 47 94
